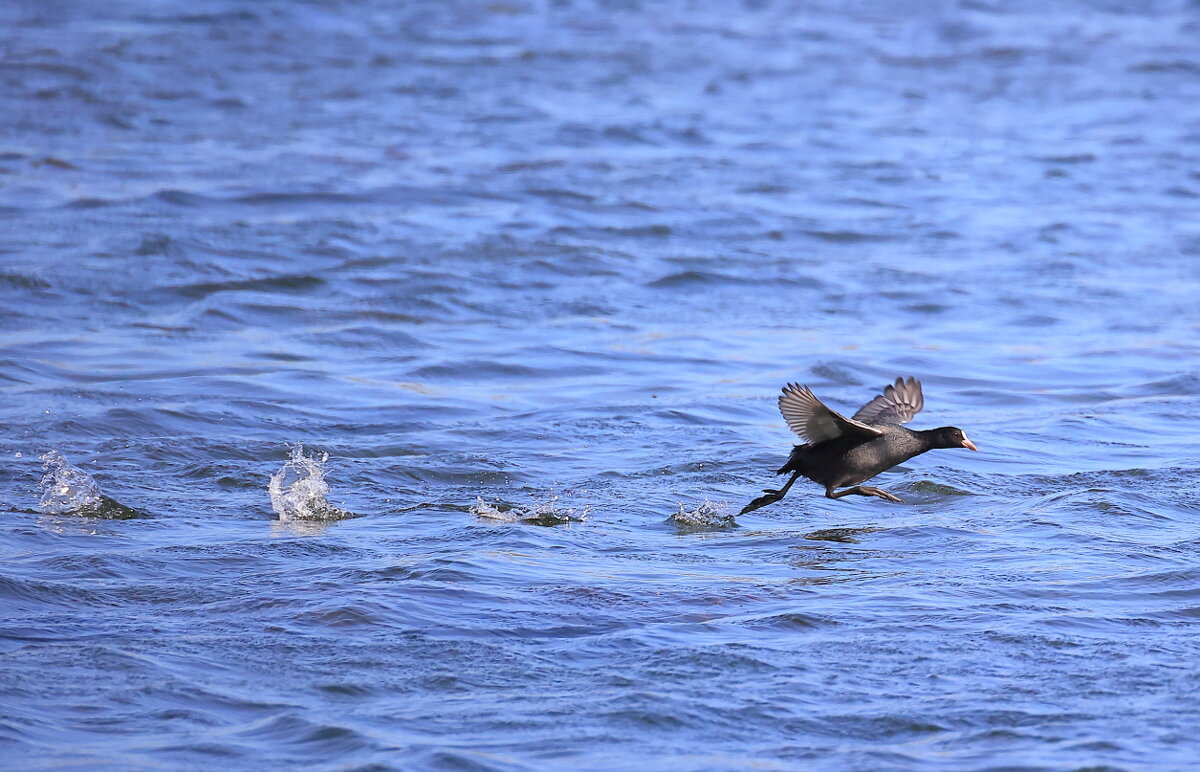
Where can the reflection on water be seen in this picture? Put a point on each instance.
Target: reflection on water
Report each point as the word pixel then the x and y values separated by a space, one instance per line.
pixel 847 535
pixel 298 527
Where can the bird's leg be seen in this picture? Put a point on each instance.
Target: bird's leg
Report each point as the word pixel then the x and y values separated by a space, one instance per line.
pixel 783 491
pixel 862 490
pixel 771 497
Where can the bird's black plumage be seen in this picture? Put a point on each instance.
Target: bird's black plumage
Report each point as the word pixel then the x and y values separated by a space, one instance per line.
pixel 844 451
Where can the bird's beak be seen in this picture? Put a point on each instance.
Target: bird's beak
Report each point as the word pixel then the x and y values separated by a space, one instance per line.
pixel 968 444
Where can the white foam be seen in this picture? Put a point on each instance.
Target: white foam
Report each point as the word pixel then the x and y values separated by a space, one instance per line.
pixel 299 491
pixel 65 487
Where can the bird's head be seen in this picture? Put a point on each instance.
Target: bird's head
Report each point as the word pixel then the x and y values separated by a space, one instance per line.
pixel 952 437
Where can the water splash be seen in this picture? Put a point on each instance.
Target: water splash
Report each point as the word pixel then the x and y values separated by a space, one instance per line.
pixel 298 490
pixel 709 514
pixel 544 513
pixel 67 489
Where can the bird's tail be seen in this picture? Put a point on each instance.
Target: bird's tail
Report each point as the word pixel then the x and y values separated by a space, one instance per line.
pixel 794 462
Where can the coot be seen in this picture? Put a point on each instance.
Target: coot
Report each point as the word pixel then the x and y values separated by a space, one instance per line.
pixel 844 451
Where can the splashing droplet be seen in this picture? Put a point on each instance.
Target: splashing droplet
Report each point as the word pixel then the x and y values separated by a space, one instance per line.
pixel 298 490
pixel 709 514
pixel 65 487
pixel 544 513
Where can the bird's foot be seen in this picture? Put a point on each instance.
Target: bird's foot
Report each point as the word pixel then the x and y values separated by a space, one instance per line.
pixel 771 497
pixel 883 494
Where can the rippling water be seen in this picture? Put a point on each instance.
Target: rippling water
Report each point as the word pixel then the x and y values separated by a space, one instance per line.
pixel 531 274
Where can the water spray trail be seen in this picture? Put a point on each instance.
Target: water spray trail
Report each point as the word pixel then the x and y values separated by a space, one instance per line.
pixel 298 490
pixel 65 487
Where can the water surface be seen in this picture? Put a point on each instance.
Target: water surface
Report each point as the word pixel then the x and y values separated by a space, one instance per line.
pixel 531 274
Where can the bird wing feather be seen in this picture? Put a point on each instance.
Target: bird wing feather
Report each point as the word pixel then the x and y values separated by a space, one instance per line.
pixel 808 417
pixel 897 404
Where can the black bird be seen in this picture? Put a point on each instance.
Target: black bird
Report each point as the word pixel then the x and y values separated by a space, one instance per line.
pixel 847 451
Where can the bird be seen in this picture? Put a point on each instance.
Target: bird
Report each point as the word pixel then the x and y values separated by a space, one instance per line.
pixel 841 451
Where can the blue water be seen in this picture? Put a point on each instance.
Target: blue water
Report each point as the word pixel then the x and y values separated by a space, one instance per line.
pixel 531 274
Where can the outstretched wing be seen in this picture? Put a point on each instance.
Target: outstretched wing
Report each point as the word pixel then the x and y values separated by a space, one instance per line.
pixel 896 405
pixel 808 417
